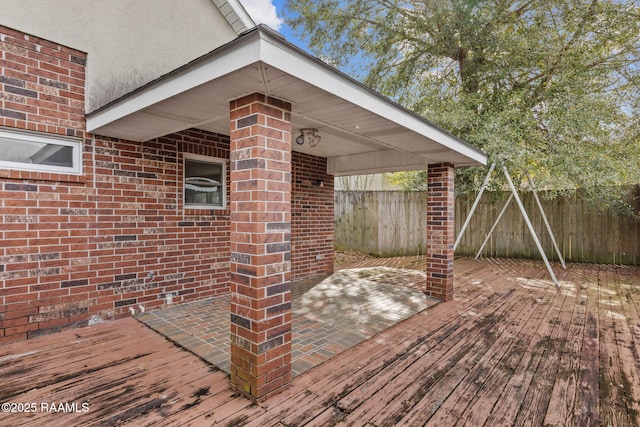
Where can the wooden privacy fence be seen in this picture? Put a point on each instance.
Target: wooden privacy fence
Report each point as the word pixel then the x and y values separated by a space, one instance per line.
pixel 393 223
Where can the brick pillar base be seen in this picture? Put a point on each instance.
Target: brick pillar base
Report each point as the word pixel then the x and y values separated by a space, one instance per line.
pixel 440 230
pixel 260 245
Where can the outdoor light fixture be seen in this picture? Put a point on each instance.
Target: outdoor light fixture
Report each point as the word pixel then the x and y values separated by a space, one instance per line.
pixel 309 136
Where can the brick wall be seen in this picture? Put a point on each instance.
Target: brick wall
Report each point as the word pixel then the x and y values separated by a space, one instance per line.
pixel 120 240
pixel 42 85
pixel 147 244
pixel 312 213
pixel 41 89
pixel 116 237
pixel 440 230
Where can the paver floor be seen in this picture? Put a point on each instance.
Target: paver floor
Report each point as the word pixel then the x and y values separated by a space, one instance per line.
pixel 330 315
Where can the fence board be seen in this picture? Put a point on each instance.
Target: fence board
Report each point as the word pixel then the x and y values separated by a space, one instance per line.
pixel 393 223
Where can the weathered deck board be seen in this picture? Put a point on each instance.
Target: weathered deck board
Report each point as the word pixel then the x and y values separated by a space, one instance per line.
pixel 452 408
pixel 623 359
pixel 414 382
pixel 429 331
pixel 586 410
pixel 519 376
pixel 612 390
pixel 510 349
pixel 625 320
pixel 125 374
pixel 501 365
pixel 558 341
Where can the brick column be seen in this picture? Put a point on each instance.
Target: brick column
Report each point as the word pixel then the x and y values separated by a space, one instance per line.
pixel 260 245
pixel 440 230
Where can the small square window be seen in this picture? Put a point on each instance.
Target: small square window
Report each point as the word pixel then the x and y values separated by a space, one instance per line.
pixel 29 151
pixel 204 182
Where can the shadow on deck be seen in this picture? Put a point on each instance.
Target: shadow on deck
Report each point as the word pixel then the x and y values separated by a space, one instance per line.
pixel 510 349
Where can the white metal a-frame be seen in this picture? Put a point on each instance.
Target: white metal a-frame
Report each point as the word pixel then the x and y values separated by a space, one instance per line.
pixel 514 194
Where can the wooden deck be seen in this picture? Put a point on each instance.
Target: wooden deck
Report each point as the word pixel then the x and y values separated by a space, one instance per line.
pixel 511 349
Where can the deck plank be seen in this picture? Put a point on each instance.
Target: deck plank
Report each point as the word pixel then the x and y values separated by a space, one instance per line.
pixel 433 325
pixel 612 389
pixel 137 374
pixel 586 409
pixel 509 350
pixel 628 287
pixel 536 335
pixel 493 371
pixel 453 408
pixel 425 329
pixel 430 372
pixel 551 397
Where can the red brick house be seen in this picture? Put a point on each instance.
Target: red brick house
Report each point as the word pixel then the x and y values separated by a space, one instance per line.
pixel 210 177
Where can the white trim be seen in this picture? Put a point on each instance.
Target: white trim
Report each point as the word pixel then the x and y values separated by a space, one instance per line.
pixel 316 73
pixel 27 136
pixel 227 61
pixel 223 190
pixel 265 46
pixel 374 162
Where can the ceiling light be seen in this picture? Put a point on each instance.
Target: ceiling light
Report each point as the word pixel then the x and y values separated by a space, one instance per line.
pixel 309 136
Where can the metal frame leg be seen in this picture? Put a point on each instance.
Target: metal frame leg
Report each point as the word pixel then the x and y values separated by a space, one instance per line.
pixel 546 222
pixel 475 205
pixel 495 224
pixel 530 226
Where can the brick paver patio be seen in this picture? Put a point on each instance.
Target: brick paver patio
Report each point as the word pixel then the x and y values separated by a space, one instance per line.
pixel 330 314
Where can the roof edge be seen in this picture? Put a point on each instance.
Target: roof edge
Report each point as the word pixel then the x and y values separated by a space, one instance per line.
pixel 266 34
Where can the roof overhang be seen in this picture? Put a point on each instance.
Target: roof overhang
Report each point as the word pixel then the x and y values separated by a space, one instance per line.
pixel 362 131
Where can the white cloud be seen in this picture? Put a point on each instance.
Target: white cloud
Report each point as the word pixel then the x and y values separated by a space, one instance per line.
pixel 263 12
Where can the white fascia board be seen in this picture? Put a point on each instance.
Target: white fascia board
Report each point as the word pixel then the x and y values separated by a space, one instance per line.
pixel 374 162
pixel 319 74
pixel 265 45
pixel 227 60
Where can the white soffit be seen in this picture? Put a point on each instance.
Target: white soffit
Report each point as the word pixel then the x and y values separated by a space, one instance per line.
pixel 354 121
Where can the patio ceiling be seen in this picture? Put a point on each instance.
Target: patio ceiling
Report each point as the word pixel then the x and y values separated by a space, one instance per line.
pixel 362 131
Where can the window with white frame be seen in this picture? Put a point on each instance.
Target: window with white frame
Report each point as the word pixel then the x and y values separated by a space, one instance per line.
pixel 32 151
pixel 204 182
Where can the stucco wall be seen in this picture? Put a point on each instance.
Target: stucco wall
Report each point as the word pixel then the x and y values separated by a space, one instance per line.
pixel 128 43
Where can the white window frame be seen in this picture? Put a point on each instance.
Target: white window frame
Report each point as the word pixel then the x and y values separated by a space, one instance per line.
pixel 205 159
pixel 20 135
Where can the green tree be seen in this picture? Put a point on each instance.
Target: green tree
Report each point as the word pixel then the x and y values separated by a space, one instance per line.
pixel 551 87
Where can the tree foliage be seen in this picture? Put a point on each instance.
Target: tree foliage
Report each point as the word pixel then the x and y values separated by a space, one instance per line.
pixel 549 87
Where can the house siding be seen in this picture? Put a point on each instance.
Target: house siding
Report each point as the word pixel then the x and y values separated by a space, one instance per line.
pixel 152 37
pixel 116 239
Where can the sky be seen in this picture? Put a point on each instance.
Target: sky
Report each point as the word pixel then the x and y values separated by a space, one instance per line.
pixel 269 12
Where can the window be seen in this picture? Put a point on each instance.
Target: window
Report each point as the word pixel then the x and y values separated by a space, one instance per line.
pixel 38 152
pixel 204 182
